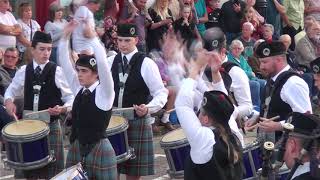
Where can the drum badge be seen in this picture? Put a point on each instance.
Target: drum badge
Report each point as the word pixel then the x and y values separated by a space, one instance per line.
pixel 315 69
pixel 132 31
pixel 215 43
pixel 93 62
pixel 204 101
pixel 266 52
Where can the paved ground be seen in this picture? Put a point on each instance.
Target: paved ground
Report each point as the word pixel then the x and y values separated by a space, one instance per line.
pixel 161 164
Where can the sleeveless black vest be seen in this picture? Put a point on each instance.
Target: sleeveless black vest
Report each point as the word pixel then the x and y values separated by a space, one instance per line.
pixel 136 91
pixel 50 94
pixel 89 123
pixel 218 167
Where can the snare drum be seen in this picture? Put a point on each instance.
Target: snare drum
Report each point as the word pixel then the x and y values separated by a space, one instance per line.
pixel 252 159
pixel 26 144
pixel 177 149
pixel 75 172
pixel 117 135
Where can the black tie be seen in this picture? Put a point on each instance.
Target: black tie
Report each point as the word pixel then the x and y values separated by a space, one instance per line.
pixel 269 86
pixel 85 96
pixel 37 71
pixel 86 92
pixel 125 63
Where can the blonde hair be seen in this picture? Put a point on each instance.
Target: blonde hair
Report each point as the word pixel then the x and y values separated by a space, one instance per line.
pixel 163 13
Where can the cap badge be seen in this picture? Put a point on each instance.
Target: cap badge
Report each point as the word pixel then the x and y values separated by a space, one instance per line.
pixel 204 101
pixel 92 62
pixel 266 52
pixel 215 43
pixel 315 68
pixel 132 31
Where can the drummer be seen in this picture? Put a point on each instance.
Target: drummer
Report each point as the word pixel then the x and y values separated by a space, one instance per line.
pixel 91 82
pixel 306 135
pixel 215 151
pixel 44 87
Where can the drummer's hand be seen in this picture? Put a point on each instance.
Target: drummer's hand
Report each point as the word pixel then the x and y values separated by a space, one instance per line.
pixel 269 126
pixel 251 124
pixel 57 110
pixel 10 107
pixel 141 110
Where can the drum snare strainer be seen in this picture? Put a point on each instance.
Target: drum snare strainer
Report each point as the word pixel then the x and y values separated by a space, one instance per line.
pixel 26 144
pixel 176 148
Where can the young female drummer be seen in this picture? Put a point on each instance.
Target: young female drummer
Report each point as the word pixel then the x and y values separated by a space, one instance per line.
pixel 215 151
pixel 93 86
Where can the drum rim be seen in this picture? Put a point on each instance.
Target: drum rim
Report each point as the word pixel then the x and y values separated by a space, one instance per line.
pixel 253 145
pixel 118 129
pixel 173 143
pixel 31 165
pixel 25 138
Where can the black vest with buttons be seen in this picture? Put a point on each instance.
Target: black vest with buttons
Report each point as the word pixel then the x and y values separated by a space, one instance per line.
pixel 218 167
pixel 89 123
pixel 50 94
pixel 136 91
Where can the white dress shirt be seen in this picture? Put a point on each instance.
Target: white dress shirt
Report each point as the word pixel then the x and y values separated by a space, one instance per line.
pixel 16 88
pixel 7 40
pixel 151 76
pixel 302 169
pixel 200 138
pixel 241 90
pixel 295 92
pixel 104 87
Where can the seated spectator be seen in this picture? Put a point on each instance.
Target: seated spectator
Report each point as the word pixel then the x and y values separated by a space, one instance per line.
pixel 256 85
pixel 247 40
pixel 251 4
pixel 308 20
pixel 29 27
pixel 267 32
pixel 213 10
pixel 185 27
pixel 286 40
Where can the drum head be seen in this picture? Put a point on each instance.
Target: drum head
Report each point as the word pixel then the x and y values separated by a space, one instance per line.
pixel 25 127
pixel 176 135
pixel 116 121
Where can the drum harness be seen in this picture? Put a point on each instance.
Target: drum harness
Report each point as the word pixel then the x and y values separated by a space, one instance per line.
pixel 124 71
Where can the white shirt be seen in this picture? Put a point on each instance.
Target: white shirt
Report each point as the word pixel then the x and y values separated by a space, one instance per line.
pixel 200 138
pixel 80 42
pixel 55 29
pixel 26 32
pixel 8 20
pixel 151 76
pixel 295 92
pixel 16 88
pixel 241 90
pixel 302 169
pixel 104 87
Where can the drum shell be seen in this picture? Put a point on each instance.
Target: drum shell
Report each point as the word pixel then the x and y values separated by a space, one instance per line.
pixel 27 151
pixel 252 159
pixel 75 172
pixel 176 153
pixel 119 140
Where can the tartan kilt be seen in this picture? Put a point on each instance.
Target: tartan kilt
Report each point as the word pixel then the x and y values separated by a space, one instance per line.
pixel 56 144
pixel 140 138
pixel 100 163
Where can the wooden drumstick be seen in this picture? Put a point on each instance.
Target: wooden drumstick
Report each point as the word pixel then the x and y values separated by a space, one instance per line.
pixel 170 111
pixel 42 111
pixel 15 117
pixel 254 126
pixel 129 108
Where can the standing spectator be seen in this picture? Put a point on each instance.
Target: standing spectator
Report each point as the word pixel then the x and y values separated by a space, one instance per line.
pixel 175 8
pixel 29 27
pixel 201 15
pixel 274 9
pixel 232 12
pixel 213 10
pixel 55 27
pixel 9 27
pixel 85 32
pixel 250 4
pixel 162 21
pixel 136 15
pixel 293 18
pixel 312 7
pixel 185 26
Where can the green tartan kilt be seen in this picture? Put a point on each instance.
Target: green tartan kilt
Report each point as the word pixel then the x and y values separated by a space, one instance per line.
pixel 140 138
pixel 55 144
pixel 100 163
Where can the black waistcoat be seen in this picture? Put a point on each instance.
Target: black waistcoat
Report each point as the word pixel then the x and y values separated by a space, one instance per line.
pixel 89 123
pixel 50 94
pixel 136 91
pixel 218 167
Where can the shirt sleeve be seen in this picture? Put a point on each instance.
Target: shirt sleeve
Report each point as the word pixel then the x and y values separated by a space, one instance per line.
pixel 151 76
pixel 295 92
pixel 105 90
pixel 54 32
pixel 16 87
pixel 61 82
pixel 241 90
pixel 65 63
pixel 201 151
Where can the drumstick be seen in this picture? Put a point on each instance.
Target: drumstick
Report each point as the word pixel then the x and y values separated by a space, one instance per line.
pixel 42 111
pixel 129 108
pixel 170 111
pixel 15 117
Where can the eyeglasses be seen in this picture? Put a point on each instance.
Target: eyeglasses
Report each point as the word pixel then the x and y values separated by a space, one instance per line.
pixel 12 57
